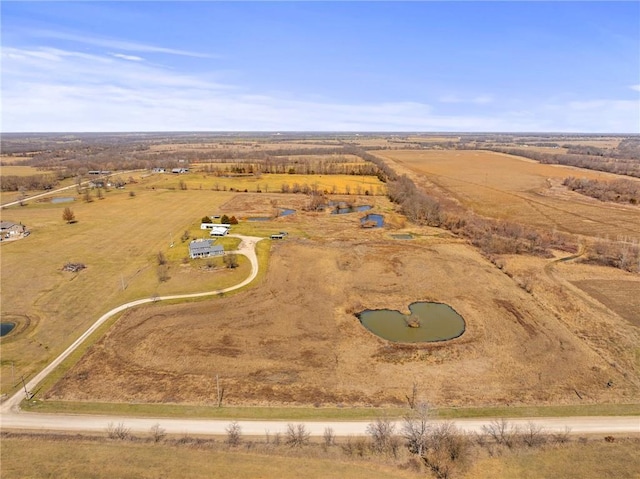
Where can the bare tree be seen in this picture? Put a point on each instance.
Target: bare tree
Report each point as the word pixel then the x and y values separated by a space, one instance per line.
pixel 384 440
pixel 502 432
pixel 157 433
pixel 447 450
pixel 416 428
pixel 329 437
pixel 234 434
pixel 119 431
pixel 533 435
pixel 231 260
pixel 162 259
pixel 297 435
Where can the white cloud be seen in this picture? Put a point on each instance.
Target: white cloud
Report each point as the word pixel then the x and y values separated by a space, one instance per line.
pixel 478 100
pixel 635 87
pixel 116 44
pixel 45 89
pixel 131 58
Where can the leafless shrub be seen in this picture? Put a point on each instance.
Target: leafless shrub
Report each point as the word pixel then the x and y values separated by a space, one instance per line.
pixel 119 431
pixel 447 451
pixel 355 446
pixel 562 437
pixel 277 438
pixel 533 435
pixel 157 433
pixel 162 259
pixel 501 432
pixel 329 437
pixel 384 440
pixel 234 434
pixel 296 435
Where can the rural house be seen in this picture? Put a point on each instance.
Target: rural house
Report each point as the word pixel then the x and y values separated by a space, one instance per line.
pixel 204 249
pixel 179 171
pixel 9 229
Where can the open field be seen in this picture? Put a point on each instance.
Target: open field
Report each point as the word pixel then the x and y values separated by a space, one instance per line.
pixel 22 171
pixel 119 248
pixel 336 184
pixel 520 190
pixel 96 457
pixel 538 332
pixel 294 340
pixel 26 458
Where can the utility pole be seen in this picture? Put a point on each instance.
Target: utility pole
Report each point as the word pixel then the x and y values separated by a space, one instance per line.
pixel 122 281
pixel 26 393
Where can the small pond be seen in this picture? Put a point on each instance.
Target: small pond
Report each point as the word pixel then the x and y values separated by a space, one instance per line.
pixel 372 221
pixel 62 199
pixel 286 212
pixel 428 322
pixel 6 328
pixel 402 237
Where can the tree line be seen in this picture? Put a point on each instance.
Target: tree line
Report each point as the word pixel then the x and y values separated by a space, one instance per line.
pixel 618 191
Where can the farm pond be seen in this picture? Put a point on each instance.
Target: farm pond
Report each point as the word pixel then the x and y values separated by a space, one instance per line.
pixel 427 322
pixel 6 328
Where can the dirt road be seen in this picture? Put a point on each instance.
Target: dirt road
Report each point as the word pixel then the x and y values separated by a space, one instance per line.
pixel 89 423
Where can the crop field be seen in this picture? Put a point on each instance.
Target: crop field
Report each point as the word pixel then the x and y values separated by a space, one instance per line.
pixel 524 191
pixel 336 184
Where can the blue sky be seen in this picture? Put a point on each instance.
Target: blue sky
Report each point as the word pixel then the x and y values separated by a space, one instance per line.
pixel 321 66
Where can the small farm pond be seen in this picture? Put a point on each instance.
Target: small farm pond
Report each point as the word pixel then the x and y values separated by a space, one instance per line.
pixel 62 199
pixel 372 221
pixel 6 328
pixel 286 212
pixel 428 322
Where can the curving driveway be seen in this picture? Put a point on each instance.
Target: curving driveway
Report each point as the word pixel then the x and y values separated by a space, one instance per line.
pixel 247 248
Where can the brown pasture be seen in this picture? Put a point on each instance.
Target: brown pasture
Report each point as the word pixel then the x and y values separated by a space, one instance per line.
pixel 520 190
pixel 294 338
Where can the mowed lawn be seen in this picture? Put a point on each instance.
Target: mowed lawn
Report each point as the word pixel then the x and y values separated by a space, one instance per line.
pixel 511 188
pixel 118 239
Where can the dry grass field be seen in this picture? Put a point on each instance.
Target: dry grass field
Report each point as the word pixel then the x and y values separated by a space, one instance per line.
pixel 72 457
pixel 519 190
pixel 538 332
pixel 118 239
pixel 294 340
pixel 78 458
pixel 22 170
pixel 271 183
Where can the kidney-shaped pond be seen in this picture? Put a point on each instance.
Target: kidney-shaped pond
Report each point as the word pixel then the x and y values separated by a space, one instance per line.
pixel 428 322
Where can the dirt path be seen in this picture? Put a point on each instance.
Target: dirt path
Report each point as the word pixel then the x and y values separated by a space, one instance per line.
pixel 247 248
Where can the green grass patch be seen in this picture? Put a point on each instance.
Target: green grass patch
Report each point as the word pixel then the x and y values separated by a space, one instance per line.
pixel 319 413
